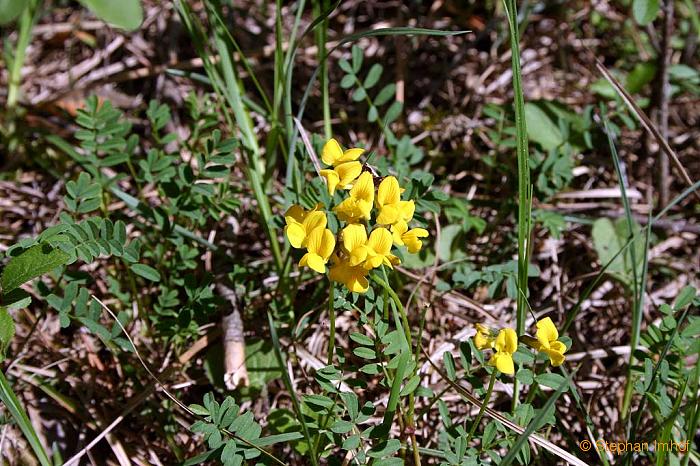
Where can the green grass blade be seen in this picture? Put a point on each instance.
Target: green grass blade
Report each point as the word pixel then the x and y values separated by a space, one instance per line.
pixel 536 421
pixel 524 199
pixel 290 389
pixel 9 399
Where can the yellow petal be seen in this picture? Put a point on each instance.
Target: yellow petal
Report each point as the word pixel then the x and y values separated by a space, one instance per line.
pixel 314 261
pixel 332 152
pixel 559 347
pixel 406 210
pixel 314 240
pixel 546 332
pixel 410 238
pixel 327 245
pixel 388 192
pixel 358 255
pixel 347 173
pixel 294 214
pixel 507 341
pixel 295 234
pixel 482 341
pixel 354 278
pixel 380 241
pixel 503 362
pixel 397 230
pixel 363 189
pixel 314 219
pixel 388 214
pixel 332 179
pixel 351 155
pixel 354 236
pixel 555 357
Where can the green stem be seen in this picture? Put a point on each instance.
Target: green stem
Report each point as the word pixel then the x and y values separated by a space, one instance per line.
pixel 331 316
pixel 26 24
pixel 524 200
pixel 410 420
pixel 487 398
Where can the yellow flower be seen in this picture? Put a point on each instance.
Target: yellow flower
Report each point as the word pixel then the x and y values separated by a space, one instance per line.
pixel 355 243
pixel 505 345
pixel 379 249
pixel 403 236
pixel 320 245
pixel 301 223
pixel 358 205
pixel 341 176
pixel 334 155
pixel 391 207
pixel 353 277
pixel 484 338
pixel 548 341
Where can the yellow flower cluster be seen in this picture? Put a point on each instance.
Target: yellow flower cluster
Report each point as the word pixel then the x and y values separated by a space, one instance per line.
pixel 505 344
pixel 357 252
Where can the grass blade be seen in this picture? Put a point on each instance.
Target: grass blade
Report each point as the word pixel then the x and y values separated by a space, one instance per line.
pixel 524 192
pixel 9 399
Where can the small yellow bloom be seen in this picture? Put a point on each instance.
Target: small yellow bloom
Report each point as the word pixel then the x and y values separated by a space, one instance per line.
pixel 301 223
pixel 342 176
pixel 320 245
pixel 483 339
pixel 355 243
pixel 353 277
pixel 410 238
pixel 506 345
pixel 358 205
pixel 379 249
pixel 548 341
pixel 334 155
pixel 391 208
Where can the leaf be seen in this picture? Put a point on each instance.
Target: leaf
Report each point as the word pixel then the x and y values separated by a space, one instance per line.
pixel 645 11
pixel 11 9
pixel 7 331
pixel 146 271
pixel 357 57
pixel 125 14
pixel 609 238
pixel 550 380
pixel 373 76
pixel 684 298
pixel 30 264
pixel 540 127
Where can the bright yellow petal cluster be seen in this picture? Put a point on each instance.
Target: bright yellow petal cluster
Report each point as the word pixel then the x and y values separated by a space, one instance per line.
pixel 358 206
pixel 370 252
pixel 409 238
pixel 345 169
pixel 548 342
pixel 391 208
pixel 506 345
pixel 307 229
pixel 484 338
pixel 300 224
pixel 363 246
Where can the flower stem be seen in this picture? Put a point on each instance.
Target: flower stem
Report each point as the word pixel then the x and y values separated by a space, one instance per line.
pixel 489 391
pixel 331 316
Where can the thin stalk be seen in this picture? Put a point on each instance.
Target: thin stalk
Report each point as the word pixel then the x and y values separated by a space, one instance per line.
pixel 410 419
pixel 524 200
pixel 487 397
pixel 27 20
pixel 321 38
pixel 331 317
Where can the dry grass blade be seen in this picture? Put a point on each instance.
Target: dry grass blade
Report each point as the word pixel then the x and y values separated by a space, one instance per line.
pixel 646 122
pixel 546 444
